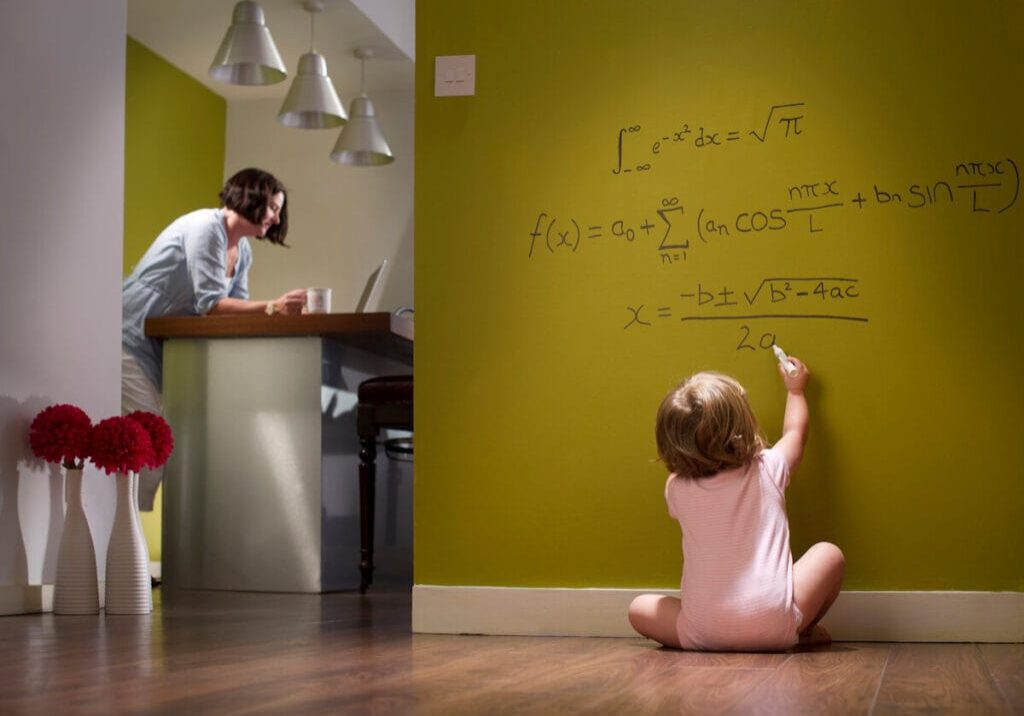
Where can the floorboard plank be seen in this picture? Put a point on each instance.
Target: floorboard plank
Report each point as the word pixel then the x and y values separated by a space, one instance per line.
pixel 840 679
pixel 1006 662
pixel 938 678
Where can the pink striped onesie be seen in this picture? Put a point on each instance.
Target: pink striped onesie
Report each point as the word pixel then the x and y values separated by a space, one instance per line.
pixel 737 587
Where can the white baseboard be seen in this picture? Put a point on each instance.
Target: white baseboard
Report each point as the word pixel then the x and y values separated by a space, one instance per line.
pixel 856 616
pixel 25 599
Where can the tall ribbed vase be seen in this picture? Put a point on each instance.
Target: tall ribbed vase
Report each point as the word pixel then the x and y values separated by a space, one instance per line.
pixel 75 590
pixel 128 589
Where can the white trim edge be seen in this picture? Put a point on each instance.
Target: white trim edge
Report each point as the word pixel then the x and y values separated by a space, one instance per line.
pixel 25 599
pixel 856 616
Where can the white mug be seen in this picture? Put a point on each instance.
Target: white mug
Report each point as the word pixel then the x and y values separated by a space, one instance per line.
pixel 318 300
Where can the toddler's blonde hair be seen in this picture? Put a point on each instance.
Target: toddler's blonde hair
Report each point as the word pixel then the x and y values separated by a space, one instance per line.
pixel 705 426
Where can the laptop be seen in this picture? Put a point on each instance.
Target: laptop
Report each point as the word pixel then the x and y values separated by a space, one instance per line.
pixel 371 289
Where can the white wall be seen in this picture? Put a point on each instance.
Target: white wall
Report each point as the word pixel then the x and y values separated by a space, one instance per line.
pixel 62 202
pixel 396 19
pixel 343 221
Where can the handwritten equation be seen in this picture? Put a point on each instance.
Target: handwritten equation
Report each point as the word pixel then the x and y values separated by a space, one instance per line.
pixel 801 298
pixel 556 234
pixel 781 297
pixel 672 232
pixel 782 120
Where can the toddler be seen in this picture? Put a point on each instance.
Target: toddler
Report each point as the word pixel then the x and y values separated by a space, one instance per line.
pixel 741 590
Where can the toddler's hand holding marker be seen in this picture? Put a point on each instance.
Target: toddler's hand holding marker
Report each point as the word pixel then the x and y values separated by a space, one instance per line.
pixel 784 361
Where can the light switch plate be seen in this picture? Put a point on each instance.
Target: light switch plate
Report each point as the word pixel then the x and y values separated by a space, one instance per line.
pixel 454 75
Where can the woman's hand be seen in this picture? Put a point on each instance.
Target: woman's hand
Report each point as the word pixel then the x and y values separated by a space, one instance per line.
pixel 291 303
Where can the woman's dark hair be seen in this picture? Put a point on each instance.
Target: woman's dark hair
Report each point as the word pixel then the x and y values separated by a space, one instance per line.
pixel 248 192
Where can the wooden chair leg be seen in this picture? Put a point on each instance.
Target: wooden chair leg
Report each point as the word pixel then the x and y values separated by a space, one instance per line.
pixel 367 508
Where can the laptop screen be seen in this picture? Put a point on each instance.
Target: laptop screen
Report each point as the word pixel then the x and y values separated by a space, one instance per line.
pixel 371 289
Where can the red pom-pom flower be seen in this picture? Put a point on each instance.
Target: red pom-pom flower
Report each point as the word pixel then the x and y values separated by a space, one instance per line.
pixel 120 444
pixel 160 436
pixel 60 433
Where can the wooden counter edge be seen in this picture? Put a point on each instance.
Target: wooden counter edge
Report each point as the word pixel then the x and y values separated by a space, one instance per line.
pixel 237 326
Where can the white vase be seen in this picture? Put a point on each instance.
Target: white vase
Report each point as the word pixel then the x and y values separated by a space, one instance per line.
pixel 75 590
pixel 128 589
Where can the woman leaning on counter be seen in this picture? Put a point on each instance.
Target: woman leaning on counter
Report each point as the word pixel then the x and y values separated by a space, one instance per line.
pixel 198 265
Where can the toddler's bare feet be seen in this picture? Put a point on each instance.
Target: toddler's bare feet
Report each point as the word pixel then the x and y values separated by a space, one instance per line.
pixel 817 635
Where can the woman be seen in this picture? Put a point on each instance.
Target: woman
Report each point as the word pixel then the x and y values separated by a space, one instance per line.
pixel 198 265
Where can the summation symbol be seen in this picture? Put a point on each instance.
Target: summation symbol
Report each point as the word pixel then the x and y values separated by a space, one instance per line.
pixel 669 206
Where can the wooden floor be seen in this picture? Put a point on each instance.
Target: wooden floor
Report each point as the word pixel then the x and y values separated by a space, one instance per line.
pixel 227 653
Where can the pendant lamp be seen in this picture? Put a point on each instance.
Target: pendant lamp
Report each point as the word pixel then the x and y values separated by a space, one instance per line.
pixel 312 102
pixel 361 143
pixel 247 55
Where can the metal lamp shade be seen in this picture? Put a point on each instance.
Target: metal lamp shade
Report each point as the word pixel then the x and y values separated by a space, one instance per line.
pixel 312 102
pixel 247 56
pixel 361 142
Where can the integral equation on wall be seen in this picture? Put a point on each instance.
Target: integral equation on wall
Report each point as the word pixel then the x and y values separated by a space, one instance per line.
pixel 675 230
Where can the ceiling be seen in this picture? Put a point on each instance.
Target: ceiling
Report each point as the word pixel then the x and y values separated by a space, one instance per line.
pixel 187 34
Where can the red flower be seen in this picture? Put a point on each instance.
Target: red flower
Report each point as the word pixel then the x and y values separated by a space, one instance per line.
pixel 120 444
pixel 60 433
pixel 160 435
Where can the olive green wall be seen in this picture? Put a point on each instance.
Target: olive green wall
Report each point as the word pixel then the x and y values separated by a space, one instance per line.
pixel 174 148
pixel 174 163
pixel 572 266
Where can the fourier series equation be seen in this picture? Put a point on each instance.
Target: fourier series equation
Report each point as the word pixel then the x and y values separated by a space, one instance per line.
pixel 672 231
